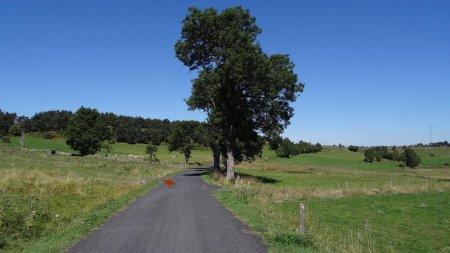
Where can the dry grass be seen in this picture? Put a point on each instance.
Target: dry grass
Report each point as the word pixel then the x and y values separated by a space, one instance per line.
pixel 45 196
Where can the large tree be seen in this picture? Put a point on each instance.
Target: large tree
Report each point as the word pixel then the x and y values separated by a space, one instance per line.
pixel 245 92
pixel 86 132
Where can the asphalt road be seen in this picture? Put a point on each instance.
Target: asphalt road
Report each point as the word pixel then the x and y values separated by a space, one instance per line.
pixel 181 218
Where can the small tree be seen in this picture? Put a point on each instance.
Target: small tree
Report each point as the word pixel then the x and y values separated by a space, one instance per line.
pixel 183 137
pixel 86 133
pixel 151 150
pixel 411 158
pixel 370 155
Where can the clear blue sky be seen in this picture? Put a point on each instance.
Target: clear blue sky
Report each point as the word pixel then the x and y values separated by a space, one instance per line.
pixel 376 72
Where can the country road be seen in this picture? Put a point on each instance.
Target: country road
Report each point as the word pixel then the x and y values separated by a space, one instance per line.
pixel 181 218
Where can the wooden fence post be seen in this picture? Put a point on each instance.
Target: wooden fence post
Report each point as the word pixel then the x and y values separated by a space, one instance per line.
pixel 301 228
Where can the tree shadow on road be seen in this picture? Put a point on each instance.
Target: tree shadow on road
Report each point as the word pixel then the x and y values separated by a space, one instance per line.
pixel 196 173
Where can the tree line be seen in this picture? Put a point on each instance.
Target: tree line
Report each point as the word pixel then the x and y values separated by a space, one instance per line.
pixel 286 148
pixel 51 123
pixel 409 157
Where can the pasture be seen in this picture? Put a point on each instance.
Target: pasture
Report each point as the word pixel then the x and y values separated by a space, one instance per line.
pixel 351 206
pixel 200 155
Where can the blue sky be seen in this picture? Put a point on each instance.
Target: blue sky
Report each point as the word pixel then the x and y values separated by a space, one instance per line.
pixel 376 72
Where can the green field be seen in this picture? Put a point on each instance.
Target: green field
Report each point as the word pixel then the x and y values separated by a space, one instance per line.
pixel 200 155
pixel 48 202
pixel 352 206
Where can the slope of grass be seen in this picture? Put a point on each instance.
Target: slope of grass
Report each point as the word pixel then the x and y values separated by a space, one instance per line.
pixel 47 202
pixel 351 206
pixel 199 154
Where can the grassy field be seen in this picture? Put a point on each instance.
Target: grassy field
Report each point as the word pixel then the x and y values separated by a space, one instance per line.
pixel 200 155
pixel 48 202
pixel 352 206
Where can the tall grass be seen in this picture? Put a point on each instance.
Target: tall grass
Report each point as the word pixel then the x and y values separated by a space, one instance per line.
pixel 47 202
pixel 349 209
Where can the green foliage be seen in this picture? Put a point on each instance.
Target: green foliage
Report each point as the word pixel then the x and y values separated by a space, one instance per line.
pixel 288 239
pixel 353 148
pixel 370 155
pixel 288 149
pixel 7 120
pixel 86 132
pixel 49 121
pixel 243 91
pixel 275 142
pixel 15 130
pixel 412 160
pixel 184 135
pixel 151 150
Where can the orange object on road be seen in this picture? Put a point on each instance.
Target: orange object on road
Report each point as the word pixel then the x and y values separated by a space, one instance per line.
pixel 169 182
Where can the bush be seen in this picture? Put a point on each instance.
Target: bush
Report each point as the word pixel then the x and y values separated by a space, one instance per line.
pixel 446 164
pixel 370 155
pixel 6 139
pixel 411 158
pixel 287 149
pixel 15 130
pixel 302 241
pixel 353 148
pixel 402 166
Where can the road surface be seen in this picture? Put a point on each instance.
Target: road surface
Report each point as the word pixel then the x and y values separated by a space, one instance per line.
pixel 181 218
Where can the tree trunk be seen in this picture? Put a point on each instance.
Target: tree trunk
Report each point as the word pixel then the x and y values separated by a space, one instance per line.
pixel 230 163
pixel 216 155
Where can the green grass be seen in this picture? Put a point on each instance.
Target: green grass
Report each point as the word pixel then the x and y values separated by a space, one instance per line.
pixel 48 202
pixel 200 155
pixel 352 206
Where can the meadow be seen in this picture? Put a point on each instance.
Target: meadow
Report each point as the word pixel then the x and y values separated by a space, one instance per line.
pixel 47 202
pixel 201 155
pixel 351 206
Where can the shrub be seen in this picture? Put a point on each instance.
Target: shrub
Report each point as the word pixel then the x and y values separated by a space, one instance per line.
pixel 6 139
pixel 411 158
pixel 402 166
pixel 15 130
pixel 446 164
pixel 302 241
pixel 370 155
pixel 353 148
pixel 287 149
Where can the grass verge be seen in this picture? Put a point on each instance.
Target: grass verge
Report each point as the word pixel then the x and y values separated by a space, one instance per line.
pixel 411 218
pixel 47 202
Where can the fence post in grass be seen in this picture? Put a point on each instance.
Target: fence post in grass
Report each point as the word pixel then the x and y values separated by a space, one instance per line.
pixel 301 228
pixel 426 184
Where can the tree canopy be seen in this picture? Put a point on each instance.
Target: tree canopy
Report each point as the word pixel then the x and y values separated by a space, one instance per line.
pixel 86 132
pixel 245 92
pixel 184 135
